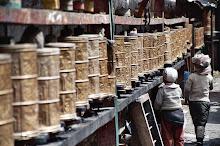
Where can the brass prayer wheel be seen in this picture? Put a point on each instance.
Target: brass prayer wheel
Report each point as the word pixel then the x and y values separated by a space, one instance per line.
pixel 111 85
pixel 134 57
pixel 48 89
pixel 134 71
pixel 6 97
pixel 120 58
pixel 82 70
pixel 94 86
pixel 24 82
pixel 103 86
pixel 67 87
pixel 103 66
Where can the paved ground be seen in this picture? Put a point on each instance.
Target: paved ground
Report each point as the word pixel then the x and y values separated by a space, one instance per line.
pixel 212 134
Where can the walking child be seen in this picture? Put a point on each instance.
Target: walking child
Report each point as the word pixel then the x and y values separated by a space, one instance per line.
pixel 168 101
pixel 196 94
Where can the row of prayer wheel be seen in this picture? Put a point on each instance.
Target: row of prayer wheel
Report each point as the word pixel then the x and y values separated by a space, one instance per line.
pixel 135 55
pixel 40 87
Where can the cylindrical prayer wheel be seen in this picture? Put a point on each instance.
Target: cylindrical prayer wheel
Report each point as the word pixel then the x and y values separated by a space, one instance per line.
pixel 134 57
pixel 6 97
pixel 24 81
pixel 120 58
pixel 111 85
pixel 81 43
pixel 103 48
pixel 82 93
pixel 67 85
pixel 134 71
pixel 48 88
pixel 133 40
pixel 119 43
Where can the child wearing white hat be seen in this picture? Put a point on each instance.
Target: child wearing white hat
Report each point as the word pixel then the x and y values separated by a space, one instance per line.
pixel 168 101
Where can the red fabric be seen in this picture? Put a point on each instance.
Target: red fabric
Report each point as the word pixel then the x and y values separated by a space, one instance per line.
pixel 171 134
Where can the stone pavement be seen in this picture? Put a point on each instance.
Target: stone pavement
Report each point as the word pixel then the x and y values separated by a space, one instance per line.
pixel 212 130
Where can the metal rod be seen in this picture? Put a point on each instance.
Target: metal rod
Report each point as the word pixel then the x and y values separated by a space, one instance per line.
pixel 212 40
pixel 112 30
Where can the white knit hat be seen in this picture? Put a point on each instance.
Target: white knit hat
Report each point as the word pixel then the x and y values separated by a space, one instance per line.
pixel 170 74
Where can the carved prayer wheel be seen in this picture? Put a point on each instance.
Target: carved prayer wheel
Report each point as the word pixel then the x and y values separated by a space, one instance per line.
pixel 134 42
pixel 103 68
pixel 94 72
pixel 48 89
pixel 6 96
pixel 127 46
pixel 67 87
pixel 24 82
pixel 82 83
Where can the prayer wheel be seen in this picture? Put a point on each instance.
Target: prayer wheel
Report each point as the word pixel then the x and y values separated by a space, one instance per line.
pixel 134 71
pixel 67 72
pixel 48 88
pixel 148 40
pixel 103 48
pixel 134 57
pixel 111 85
pixel 25 85
pixel 6 97
pixel 120 58
pixel 145 65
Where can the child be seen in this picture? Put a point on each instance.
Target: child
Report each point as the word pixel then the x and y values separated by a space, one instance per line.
pixel 197 94
pixel 168 101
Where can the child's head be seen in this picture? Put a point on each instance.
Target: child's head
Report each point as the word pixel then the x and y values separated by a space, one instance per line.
pixel 202 63
pixel 170 75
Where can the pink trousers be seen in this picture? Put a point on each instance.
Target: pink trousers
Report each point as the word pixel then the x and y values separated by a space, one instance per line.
pixel 171 134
